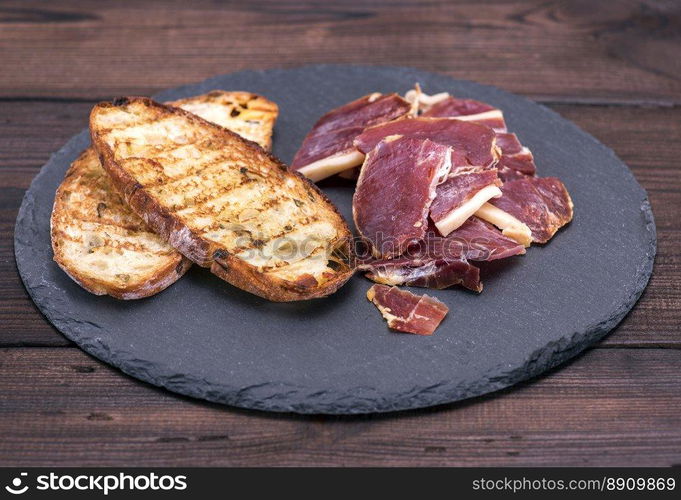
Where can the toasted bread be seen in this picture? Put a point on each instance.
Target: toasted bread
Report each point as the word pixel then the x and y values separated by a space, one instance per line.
pixel 223 201
pixel 249 115
pixel 102 244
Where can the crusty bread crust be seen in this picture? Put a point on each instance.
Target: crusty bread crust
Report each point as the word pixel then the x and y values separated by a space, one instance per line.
pixel 193 245
pixel 170 266
pixel 86 185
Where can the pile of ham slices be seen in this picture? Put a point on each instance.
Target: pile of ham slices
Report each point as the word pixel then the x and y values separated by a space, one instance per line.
pixel 441 183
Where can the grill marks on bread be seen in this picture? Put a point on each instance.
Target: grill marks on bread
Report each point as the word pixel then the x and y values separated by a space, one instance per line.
pixel 207 190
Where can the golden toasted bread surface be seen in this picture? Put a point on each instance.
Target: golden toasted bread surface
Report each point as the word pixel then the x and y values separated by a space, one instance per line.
pixel 249 115
pixel 223 201
pixel 101 243
pixel 105 246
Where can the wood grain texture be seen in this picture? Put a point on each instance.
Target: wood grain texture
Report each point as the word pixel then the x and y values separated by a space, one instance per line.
pixel 625 51
pixel 611 67
pixel 65 401
pixel 647 139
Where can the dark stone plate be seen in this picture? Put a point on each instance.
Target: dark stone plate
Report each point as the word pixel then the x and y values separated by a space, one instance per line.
pixel 207 339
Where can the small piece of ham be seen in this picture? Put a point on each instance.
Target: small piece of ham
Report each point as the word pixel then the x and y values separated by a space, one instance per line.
pixel 541 203
pixel 407 312
pixel 440 262
pixel 425 272
pixel 467 109
pixel 475 240
pixel 327 149
pixel 516 160
pixel 461 195
pixel 472 144
pixel 394 192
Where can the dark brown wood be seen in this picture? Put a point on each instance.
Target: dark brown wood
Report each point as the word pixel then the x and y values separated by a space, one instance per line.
pixel 611 67
pixel 564 418
pixel 624 51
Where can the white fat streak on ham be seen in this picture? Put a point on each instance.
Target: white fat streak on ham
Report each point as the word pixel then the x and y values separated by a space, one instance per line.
pixel 407 312
pixel 454 219
pixel 510 226
pixel 326 167
pixel 377 220
pixel 421 100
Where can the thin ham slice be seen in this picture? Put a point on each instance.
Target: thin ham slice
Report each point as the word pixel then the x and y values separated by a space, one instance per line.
pixel 327 149
pixel 424 272
pixel 472 144
pixel 516 160
pixel 461 195
pixel 441 262
pixel 475 240
pixel 543 204
pixel 394 192
pixel 468 109
pixel 407 312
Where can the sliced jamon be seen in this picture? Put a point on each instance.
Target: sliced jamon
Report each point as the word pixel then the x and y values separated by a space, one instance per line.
pixel 475 240
pixel 327 148
pixel 440 262
pixel 516 160
pixel 461 195
pixel 425 272
pixel 472 144
pixel 407 312
pixel 543 204
pixel 395 190
pixel 470 110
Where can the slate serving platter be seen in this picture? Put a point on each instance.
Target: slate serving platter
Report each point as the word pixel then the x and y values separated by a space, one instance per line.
pixel 207 339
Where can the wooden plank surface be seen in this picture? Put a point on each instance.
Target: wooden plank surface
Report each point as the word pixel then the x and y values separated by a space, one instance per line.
pixel 74 401
pixel 611 67
pixel 624 51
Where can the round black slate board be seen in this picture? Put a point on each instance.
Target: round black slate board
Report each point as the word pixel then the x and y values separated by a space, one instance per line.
pixel 204 338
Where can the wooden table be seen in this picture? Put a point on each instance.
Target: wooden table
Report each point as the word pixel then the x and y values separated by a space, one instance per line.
pixel 611 67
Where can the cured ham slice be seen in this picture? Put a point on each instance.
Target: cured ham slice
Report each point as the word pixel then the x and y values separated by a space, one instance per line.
pixel 461 195
pixel 516 160
pixel 475 240
pixel 407 312
pixel 394 192
pixel 542 204
pixel 472 144
pixel 327 149
pixel 470 110
pixel 441 262
pixel 424 272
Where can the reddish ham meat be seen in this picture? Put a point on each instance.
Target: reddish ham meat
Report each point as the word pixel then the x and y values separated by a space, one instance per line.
pixel 472 144
pixel 407 312
pixel 475 240
pixel 440 262
pixel 461 195
pixel 471 182
pixel 327 149
pixel 425 272
pixel 468 109
pixel 543 204
pixel 395 190
pixel 516 160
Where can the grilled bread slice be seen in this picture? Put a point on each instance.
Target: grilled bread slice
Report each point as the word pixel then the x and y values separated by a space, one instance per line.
pixel 249 115
pixel 223 201
pixel 102 244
